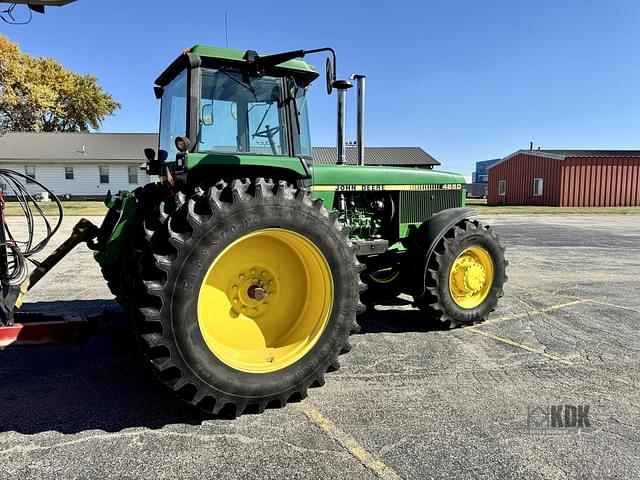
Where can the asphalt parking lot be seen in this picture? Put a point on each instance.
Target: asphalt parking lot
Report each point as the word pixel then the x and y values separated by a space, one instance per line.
pixel 408 402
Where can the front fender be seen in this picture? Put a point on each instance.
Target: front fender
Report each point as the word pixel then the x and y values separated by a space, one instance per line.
pixel 421 244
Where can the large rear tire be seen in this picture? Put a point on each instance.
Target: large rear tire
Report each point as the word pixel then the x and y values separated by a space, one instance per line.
pixel 464 277
pixel 249 293
pixel 155 210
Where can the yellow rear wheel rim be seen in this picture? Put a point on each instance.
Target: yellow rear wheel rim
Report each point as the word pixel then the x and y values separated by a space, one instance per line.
pixel 265 301
pixel 471 277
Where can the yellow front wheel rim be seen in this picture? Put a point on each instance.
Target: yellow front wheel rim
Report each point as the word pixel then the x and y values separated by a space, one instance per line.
pixel 265 301
pixel 471 277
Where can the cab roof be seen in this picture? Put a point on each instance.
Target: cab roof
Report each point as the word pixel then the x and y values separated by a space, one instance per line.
pixel 210 56
pixel 238 55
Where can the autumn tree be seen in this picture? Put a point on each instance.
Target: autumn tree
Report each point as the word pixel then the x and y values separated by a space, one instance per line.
pixel 39 94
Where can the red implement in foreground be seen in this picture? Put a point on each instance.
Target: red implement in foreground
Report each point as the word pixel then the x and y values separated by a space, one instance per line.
pixel 36 328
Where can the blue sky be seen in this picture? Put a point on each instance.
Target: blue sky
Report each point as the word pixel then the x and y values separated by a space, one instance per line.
pixel 464 79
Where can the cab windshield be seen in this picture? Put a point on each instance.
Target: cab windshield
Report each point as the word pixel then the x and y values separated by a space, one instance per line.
pixel 242 114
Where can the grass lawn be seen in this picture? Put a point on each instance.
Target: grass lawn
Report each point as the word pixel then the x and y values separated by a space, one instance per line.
pixel 71 208
pixel 481 206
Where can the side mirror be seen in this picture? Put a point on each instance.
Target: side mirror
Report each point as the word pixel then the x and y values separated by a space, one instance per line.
pixel 329 77
pixel 152 166
pixel 183 144
pixel 206 115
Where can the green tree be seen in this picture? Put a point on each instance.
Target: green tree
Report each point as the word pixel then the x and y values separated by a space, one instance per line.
pixel 39 94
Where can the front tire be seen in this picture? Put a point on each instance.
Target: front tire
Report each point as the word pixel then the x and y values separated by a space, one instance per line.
pixel 464 277
pixel 250 294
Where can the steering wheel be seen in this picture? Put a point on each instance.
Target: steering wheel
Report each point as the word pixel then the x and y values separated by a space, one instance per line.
pixel 268 132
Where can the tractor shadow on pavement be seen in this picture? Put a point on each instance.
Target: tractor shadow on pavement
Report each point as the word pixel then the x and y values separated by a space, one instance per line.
pixel 394 315
pixel 104 382
pixel 101 384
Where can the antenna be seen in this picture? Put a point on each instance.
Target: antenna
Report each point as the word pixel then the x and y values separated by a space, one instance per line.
pixel 226 30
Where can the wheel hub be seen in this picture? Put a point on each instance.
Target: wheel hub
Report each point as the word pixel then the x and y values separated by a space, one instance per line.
pixel 474 277
pixel 252 290
pixel 256 292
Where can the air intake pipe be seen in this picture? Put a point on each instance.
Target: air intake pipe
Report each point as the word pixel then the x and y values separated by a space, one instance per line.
pixel 361 80
pixel 341 86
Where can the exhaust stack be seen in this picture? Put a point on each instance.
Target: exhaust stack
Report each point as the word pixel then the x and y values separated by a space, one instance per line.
pixel 361 81
pixel 341 86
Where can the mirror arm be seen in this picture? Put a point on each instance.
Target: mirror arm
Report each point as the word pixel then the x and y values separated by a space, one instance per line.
pixel 325 49
pixel 260 63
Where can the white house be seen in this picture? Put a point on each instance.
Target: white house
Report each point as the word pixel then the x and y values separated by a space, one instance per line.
pixel 78 165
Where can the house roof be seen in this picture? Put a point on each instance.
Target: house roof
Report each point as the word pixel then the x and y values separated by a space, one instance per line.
pixel 78 147
pixel 44 146
pixel 390 156
pixel 562 153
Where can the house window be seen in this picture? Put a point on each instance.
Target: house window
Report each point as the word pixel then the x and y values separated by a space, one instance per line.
pixel 30 172
pixel 68 173
pixel 104 174
pixel 537 187
pixel 502 187
pixel 133 174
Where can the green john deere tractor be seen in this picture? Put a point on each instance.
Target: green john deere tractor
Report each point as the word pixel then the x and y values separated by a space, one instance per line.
pixel 243 267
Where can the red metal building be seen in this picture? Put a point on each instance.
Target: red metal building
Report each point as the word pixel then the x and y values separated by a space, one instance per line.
pixel 566 178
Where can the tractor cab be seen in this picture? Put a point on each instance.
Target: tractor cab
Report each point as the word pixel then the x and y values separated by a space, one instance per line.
pixel 219 104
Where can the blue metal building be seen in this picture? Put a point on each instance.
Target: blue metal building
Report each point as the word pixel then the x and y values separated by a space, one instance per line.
pixel 481 174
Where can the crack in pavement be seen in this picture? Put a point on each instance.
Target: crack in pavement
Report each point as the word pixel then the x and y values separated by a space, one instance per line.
pixel 110 436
